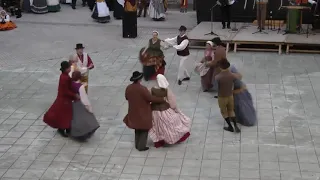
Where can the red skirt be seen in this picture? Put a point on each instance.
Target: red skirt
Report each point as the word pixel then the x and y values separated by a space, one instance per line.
pixel 160 71
pixel 7 26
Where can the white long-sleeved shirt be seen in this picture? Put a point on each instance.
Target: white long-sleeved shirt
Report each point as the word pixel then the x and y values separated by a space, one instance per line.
pixel 179 47
pixel 312 2
pixel 5 19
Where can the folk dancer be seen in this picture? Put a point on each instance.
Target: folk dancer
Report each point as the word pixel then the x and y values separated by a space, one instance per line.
pixel 183 6
pixel 84 123
pixel 243 104
pixel 225 6
pixel 225 81
pixel 157 10
pixel 219 54
pixel 170 125
pixel 143 6
pixel 101 12
pixel 5 23
pixel 82 62
pixel 206 73
pixel 59 115
pixel 152 58
pixel 139 115
pixel 182 47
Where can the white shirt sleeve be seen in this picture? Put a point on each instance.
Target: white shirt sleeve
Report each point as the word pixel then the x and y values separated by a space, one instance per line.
pixel 171 41
pixel 83 96
pixel 7 18
pixel 71 71
pixel 182 45
pixel 311 2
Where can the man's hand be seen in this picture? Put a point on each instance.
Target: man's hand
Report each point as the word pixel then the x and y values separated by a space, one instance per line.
pixel 91 66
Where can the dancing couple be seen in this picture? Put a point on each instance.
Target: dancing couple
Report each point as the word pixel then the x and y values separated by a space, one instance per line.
pixel 154 113
pixel 71 113
pixel 210 67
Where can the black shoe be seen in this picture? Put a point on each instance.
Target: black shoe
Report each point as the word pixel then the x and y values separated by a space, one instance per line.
pixel 229 128
pixel 143 149
pixel 223 27
pixel 62 132
pixel 186 79
pixel 68 131
pixel 73 7
pixel 228 27
pixel 237 129
pixel 215 97
pixel 179 82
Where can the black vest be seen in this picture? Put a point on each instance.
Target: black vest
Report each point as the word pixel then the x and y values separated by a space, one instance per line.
pixel 184 52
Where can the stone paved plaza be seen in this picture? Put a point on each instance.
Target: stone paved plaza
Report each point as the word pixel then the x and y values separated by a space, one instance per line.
pixel 285 144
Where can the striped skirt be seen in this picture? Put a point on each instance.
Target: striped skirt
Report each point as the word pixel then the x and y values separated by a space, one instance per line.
pixel 169 126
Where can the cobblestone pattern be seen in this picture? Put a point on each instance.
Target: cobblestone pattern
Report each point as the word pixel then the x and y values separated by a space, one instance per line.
pixel 284 145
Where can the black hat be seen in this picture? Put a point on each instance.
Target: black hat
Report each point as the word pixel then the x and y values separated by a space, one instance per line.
pixel 136 76
pixel 182 28
pixel 79 46
pixel 64 65
pixel 217 41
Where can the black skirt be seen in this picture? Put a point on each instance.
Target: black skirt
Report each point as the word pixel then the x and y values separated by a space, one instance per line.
pixel 110 4
pixel 118 10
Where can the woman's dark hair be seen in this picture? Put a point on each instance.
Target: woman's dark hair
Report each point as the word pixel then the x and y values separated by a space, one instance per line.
pixel 76 75
pixel 64 66
pixel 217 41
pixel 224 64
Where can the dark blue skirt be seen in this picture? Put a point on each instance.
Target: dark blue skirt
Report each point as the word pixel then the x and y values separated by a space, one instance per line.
pixel 244 109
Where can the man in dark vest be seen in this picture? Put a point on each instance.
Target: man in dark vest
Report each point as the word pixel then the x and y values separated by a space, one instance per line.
pixel 182 47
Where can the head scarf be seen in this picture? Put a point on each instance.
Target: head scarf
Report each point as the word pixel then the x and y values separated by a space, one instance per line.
pixel 1 11
pixel 210 42
pixel 155 32
pixel 162 81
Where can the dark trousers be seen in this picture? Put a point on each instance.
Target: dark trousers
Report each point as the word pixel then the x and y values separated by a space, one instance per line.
pixel 74 2
pixel 226 15
pixel 143 6
pixel 141 137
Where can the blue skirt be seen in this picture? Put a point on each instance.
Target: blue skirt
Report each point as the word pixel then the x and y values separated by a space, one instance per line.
pixel 244 110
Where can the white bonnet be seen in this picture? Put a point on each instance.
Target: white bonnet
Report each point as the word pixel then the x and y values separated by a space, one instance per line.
pixel 210 42
pixel 162 81
pixel 155 32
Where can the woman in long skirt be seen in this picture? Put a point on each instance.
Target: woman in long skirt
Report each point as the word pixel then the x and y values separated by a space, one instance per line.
pixel 243 104
pixel 101 12
pixel 53 5
pixel 84 123
pixel 170 125
pixel 152 58
pixel 205 72
pixel 39 6
pixel 157 10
